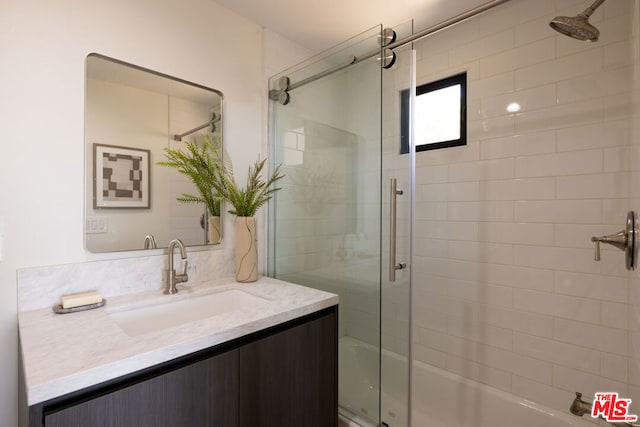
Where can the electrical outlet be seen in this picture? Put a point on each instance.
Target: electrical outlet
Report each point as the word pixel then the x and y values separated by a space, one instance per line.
pixel 96 225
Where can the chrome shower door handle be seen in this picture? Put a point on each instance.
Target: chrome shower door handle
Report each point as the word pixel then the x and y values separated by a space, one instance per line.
pixel 392 231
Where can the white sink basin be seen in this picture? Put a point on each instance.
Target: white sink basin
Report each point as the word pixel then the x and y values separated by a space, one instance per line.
pixel 141 320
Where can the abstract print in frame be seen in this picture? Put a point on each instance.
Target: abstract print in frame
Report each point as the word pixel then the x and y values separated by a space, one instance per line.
pixel 120 177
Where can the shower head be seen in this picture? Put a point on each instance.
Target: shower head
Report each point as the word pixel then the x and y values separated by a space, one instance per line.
pixel 578 26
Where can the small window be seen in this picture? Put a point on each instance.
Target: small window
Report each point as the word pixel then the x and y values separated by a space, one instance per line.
pixel 441 114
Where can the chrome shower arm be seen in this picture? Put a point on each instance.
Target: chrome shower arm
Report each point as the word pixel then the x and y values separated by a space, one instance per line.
pixel 589 11
pixel 179 136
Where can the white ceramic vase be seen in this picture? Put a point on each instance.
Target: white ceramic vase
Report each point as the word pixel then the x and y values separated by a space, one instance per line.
pixel 246 249
pixel 214 229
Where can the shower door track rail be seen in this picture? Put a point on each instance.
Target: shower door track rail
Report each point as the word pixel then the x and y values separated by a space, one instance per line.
pixel 274 93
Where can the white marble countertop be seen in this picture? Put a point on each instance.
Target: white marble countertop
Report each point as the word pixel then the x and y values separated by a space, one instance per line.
pixel 66 353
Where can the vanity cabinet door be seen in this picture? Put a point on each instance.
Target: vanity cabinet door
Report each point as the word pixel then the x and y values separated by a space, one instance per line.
pixel 290 379
pixel 201 394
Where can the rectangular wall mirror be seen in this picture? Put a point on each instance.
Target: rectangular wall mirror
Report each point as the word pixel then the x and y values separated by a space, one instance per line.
pixel 132 115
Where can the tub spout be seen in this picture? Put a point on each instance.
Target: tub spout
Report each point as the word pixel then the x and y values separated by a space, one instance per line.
pixel 579 407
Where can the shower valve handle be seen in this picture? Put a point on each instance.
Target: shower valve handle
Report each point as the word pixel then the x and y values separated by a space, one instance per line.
pixel 619 240
pixel 625 240
pixel 596 256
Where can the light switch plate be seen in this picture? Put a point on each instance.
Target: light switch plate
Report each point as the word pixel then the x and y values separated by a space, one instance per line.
pixel 96 225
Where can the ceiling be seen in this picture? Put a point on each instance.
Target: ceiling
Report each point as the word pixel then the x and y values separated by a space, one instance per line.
pixel 319 25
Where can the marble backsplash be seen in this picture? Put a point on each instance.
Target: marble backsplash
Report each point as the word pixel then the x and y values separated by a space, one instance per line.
pixel 41 287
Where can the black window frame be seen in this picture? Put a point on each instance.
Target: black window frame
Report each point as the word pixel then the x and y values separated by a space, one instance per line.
pixel 458 79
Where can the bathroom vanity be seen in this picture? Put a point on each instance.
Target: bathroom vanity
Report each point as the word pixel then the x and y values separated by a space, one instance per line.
pixel 257 363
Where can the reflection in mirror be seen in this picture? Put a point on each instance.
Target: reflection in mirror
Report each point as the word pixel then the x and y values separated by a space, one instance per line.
pixel 133 118
pixel 199 161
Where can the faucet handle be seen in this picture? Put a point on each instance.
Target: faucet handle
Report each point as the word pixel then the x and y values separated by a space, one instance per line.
pixel 184 273
pixel 619 240
pixel 625 240
pixel 181 278
pixel 596 257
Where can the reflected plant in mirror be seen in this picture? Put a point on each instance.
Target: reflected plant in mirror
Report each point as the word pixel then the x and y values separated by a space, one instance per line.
pixel 200 163
pixel 144 111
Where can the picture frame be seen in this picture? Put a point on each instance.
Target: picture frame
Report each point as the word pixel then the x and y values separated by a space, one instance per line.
pixel 121 178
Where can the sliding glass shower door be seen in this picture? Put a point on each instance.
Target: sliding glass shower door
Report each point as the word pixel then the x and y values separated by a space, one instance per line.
pixel 397 196
pixel 329 226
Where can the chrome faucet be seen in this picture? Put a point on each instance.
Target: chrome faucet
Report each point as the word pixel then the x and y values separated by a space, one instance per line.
pixel 150 242
pixel 579 407
pixel 172 278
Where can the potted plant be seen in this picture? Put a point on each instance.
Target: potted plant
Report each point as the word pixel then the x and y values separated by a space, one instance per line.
pixel 199 162
pixel 245 202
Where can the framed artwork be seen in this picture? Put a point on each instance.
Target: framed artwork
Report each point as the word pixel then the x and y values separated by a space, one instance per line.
pixel 120 177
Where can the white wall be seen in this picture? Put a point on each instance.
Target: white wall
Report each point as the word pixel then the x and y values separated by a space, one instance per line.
pixel 43 46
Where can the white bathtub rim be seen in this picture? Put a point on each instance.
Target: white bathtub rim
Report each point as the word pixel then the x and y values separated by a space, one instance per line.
pixel 393 400
pixel 566 418
pixel 353 419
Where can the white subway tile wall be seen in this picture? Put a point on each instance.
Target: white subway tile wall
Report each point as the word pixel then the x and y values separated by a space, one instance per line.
pixel 506 290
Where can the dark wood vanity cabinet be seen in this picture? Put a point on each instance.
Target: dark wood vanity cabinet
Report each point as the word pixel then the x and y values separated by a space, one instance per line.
pixel 290 378
pixel 284 376
pixel 201 394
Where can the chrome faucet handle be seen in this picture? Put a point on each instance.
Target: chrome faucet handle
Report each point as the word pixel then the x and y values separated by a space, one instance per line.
pixel 625 240
pixel 619 240
pixel 184 276
pixel 150 242
pixel 596 256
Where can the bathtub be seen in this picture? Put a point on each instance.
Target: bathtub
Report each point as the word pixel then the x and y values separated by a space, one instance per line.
pixel 439 398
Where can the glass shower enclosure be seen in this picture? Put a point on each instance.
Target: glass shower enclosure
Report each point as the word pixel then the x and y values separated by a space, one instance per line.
pixel 334 128
pixel 507 296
